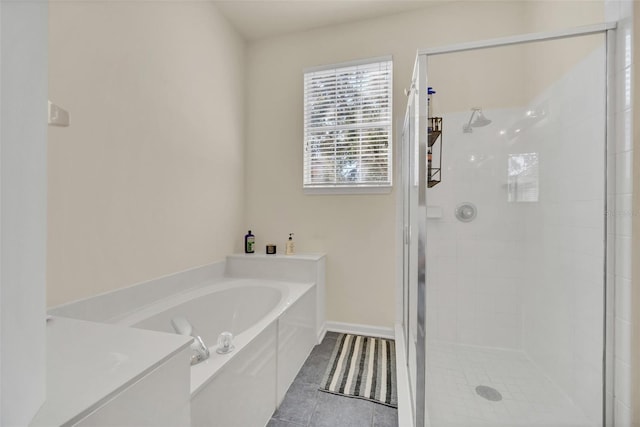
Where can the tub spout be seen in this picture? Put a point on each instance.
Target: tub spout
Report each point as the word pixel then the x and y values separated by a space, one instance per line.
pixel 199 350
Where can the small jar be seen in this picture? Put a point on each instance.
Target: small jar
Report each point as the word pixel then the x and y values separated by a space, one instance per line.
pixel 271 249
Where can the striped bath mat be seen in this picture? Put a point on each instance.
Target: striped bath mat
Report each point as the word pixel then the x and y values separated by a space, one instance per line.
pixel 363 367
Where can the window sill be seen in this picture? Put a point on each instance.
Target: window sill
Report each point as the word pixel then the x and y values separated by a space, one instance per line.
pixel 347 190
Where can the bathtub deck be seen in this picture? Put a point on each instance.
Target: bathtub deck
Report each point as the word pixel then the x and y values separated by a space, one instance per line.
pixel 305 406
pixel 88 364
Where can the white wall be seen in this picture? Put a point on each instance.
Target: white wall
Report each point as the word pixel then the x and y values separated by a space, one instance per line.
pixel 358 233
pixel 23 186
pixel 149 178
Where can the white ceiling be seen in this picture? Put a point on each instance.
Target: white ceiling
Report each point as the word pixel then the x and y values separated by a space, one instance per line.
pixel 256 19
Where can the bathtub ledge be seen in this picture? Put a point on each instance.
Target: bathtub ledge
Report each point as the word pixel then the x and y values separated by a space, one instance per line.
pixel 280 257
pixel 88 364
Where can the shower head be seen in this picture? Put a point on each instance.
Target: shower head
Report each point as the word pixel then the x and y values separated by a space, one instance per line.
pixel 480 120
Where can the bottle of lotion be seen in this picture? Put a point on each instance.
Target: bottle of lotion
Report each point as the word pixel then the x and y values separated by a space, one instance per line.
pixel 249 243
pixel 290 247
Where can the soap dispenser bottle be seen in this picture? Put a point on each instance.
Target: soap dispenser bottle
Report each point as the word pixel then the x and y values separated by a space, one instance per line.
pixel 290 247
pixel 249 243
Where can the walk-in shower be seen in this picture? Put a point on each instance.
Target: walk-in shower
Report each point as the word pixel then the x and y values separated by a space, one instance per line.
pixel 504 290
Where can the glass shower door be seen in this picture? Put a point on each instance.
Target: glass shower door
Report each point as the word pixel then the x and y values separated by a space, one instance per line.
pixel 414 208
pixel 504 296
pixel 516 304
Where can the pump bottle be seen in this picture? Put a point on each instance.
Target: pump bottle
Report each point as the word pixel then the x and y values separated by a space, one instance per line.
pixel 249 243
pixel 290 247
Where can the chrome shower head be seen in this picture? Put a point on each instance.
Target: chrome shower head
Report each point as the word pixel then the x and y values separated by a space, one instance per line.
pixel 480 120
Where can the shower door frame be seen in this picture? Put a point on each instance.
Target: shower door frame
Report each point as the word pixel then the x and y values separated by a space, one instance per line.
pixel 419 85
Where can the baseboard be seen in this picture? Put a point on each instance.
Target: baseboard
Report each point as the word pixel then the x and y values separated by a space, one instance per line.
pixel 322 331
pixel 356 329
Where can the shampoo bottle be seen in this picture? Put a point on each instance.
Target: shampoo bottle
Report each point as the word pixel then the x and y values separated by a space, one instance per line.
pixel 249 243
pixel 290 247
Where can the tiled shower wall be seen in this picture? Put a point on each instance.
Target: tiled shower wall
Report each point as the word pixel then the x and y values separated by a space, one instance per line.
pixel 563 307
pixel 476 270
pixel 620 213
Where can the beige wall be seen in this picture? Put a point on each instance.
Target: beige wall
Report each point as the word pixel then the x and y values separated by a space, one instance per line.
pixel 511 76
pixel 498 74
pixel 357 232
pixel 148 179
pixel 546 62
pixel 488 78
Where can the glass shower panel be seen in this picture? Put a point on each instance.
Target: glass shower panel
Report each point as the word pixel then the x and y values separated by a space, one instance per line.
pixel 410 274
pixel 515 296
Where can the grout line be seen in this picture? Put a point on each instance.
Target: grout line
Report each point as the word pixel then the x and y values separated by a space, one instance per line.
pixel 373 410
pixel 315 409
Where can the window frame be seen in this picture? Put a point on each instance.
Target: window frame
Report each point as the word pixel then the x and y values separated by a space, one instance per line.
pixel 355 187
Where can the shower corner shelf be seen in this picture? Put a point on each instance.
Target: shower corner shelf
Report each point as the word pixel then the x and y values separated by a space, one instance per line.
pixel 435 130
pixel 434 143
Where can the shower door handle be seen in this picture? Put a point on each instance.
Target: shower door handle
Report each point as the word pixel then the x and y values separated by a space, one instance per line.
pixel 407 234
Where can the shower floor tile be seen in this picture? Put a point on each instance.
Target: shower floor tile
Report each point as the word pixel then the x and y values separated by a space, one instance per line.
pixel 529 398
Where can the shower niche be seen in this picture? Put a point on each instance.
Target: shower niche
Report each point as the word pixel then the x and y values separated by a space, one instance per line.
pixel 434 151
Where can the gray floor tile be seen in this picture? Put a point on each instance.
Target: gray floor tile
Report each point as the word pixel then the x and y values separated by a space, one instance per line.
pixel 313 369
pixel 331 335
pixel 279 423
pixel 325 348
pixel 385 416
pixel 298 404
pixel 305 406
pixel 333 411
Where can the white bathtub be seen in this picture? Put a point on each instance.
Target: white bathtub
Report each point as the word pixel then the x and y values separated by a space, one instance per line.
pixel 274 328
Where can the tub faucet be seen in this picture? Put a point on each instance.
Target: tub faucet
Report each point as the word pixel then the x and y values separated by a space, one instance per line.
pixel 199 350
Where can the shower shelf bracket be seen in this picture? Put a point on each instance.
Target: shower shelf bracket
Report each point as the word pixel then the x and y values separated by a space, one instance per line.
pixel 434 146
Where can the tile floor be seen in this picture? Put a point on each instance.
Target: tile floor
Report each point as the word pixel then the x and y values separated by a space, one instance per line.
pixel 529 397
pixel 305 406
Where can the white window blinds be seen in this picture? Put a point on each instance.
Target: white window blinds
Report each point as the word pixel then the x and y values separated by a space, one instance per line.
pixel 347 125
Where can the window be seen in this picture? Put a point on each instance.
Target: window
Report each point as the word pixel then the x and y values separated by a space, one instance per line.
pixel 347 125
pixel 522 177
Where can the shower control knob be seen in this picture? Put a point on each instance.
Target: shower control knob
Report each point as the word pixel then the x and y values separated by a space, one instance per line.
pixel 466 212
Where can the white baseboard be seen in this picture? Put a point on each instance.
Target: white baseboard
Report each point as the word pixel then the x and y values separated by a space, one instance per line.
pixel 356 329
pixel 322 331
